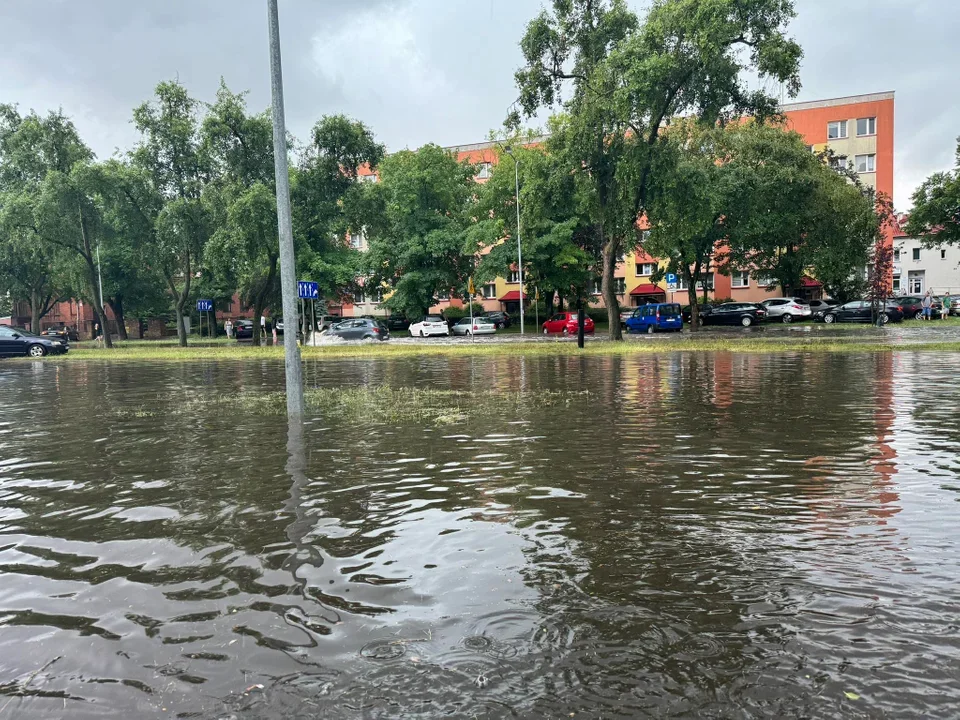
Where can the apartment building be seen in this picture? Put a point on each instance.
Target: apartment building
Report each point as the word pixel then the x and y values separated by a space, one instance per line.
pixel 860 131
pixel 918 268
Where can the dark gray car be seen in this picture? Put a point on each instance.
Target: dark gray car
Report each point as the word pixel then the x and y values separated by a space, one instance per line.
pixel 360 329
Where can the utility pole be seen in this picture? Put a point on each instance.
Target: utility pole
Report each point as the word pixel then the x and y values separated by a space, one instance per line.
pixel 516 174
pixel 288 262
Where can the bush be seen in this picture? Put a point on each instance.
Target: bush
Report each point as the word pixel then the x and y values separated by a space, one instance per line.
pixel 452 314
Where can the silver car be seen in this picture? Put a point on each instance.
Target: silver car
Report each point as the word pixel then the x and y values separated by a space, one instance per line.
pixel 787 309
pixel 479 326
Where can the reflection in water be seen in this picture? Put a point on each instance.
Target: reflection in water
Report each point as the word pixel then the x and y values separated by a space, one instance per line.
pixel 688 534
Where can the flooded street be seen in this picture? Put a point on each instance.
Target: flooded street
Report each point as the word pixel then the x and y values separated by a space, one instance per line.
pixel 682 535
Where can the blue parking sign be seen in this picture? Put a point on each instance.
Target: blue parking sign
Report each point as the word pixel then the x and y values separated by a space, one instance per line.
pixel 307 290
pixel 204 305
pixel 671 278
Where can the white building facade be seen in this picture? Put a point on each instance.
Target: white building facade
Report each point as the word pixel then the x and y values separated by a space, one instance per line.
pixel 917 268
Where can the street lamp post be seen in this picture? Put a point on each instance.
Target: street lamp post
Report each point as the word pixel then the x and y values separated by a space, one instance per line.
pixel 516 174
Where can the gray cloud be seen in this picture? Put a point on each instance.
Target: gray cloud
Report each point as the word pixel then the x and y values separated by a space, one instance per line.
pixel 428 70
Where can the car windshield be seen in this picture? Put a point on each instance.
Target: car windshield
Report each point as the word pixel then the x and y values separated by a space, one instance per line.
pixel 670 310
pixel 26 333
pixel 433 319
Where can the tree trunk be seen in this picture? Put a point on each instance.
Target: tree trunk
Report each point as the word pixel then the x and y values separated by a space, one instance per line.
pixel 93 279
pixel 690 279
pixel 212 317
pixel 611 249
pixel 34 312
pixel 581 320
pixel 260 298
pixel 116 304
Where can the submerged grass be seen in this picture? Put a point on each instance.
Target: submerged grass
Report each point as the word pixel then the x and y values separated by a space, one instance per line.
pixel 835 343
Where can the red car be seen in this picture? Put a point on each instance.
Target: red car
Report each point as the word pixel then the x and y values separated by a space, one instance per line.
pixel 566 323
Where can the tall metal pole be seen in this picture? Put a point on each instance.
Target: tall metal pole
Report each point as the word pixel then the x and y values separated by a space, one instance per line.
pixel 516 173
pixel 288 268
pixel 100 280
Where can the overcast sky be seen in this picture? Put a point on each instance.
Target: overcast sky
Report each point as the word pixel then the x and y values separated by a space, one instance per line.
pixel 420 71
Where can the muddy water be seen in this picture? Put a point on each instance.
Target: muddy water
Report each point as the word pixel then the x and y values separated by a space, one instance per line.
pixel 685 536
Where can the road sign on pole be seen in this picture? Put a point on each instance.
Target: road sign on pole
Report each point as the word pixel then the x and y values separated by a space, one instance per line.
pixel 671 281
pixel 204 305
pixel 307 290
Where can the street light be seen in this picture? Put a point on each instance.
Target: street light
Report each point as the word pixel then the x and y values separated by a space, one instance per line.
pixel 516 173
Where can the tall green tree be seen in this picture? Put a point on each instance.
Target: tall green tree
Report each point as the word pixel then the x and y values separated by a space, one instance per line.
pixel 935 216
pixel 628 79
pixel 419 216
pixel 170 152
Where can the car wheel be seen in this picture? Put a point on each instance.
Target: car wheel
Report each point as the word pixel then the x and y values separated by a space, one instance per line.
pixel 746 321
pixel 651 329
pixel 884 319
pixel 829 319
pixel 787 318
pixel 36 351
pixel 919 315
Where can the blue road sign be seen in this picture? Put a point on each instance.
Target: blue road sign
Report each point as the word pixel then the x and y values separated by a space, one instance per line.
pixel 671 278
pixel 307 290
pixel 204 305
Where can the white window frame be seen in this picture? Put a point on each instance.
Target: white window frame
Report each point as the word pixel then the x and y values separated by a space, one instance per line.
pixel 765 282
pixel 896 283
pixel 871 126
pixel 869 163
pixel 915 255
pixel 619 286
pixel 490 291
pixel 842 129
pixel 641 267
pixel 740 279
pixel 896 254
pixel 597 287
pixel 710 281
pixel 356 241
pixel 915 283
pixel 839 162
pixel 513 278
pixel 485 171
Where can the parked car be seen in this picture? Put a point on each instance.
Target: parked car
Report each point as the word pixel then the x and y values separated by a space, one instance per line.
pixel 479 326
pixel 325 321
pixel 243 329
pixel 429 325
pixel 821 305
pixel 860 311
pixel 733 313
pixel 278 324
pixel 359 329
pixel 912 306
pixel 17 341
pixel 397 323
pixel 954 305
pixel 63 333
pixel 657 317
pixel 566 323
pixel 686 314
pixel 787 309
pixel 500 319
pixel 626 314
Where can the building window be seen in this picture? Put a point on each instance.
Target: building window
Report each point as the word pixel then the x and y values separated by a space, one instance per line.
pixel 837 130
pixel 619 286
pixel 866 163
pixel 740 279
pixel 943 254
pixel 485 170
pixel 644 269
pixel 896 255
pixel 767 282
pixel 916 253
pixel 356 241
pixel 838 162
pixel 367 178
pixel 915 282
pixel 490 291
pixel 597 286
pixel 866 126
pixel 707 280
pixel 896 284
pixel 514 277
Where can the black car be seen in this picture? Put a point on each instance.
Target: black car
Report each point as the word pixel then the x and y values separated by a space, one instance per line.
pixel 686 314
pixel 499 319
pixel 397 323
pixel 860 311
pixel 733 313
pixel 912 306
pixel 243 329
pixel 15 341
pixel 63 333
pixel 822 305
pixel 360 329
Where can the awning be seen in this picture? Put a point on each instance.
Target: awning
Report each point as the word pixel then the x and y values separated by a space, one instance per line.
pixel 810 283
pixel 512 296
pixel 648 289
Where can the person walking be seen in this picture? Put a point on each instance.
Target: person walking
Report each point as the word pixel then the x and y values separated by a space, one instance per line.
pixel 97 334
pixel 945 308
pixel 927 306
pixel 263 328
pixel 228 328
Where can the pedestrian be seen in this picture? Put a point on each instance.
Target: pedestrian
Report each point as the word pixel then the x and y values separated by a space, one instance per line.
pixel 97 334
pixel 945 310
pixel 927 306
pixel 228 328
pixel 263 325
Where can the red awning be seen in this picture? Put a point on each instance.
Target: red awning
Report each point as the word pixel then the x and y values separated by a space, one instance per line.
pixel 648 290
pixel 512 296
pixel 810 283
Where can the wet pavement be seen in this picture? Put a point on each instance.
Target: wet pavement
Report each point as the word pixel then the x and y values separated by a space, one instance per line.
pixel 679 535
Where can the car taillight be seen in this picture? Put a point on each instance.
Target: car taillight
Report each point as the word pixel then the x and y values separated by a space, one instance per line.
pixel 474 327
pixel 376 331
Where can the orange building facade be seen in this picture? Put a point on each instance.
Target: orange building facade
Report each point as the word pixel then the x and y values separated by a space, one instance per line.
pixel 859 129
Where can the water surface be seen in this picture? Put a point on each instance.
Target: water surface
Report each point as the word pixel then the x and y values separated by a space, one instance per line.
pixel 676 536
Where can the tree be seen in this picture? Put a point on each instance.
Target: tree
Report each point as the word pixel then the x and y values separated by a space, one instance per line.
pixel 559 255
pixel 329 204
pixel 422 209
pixel 30 271
pixel 936 207
pixel 791 213
pixel 170 153
pixel 629 80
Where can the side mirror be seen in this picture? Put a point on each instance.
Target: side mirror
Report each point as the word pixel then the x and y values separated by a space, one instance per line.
pixel 15 335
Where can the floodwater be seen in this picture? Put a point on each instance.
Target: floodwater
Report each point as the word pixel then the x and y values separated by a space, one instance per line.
pixel 685 535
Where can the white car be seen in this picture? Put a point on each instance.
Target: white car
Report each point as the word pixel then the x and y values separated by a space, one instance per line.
pixel 787 309
pixel 429 325
pixel 479 326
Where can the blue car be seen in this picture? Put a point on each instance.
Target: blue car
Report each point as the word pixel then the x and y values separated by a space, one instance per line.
pixel 655 318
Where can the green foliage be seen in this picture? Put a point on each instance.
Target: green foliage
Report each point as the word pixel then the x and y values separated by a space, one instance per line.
pixel 936 207
pixel 422 209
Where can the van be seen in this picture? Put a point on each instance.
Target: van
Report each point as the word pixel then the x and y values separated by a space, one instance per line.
pixel 655 317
